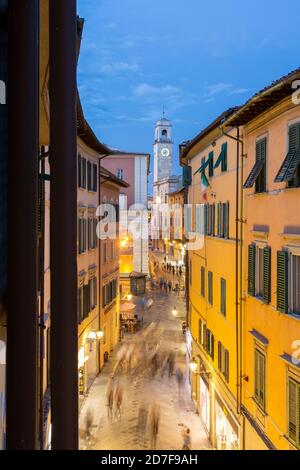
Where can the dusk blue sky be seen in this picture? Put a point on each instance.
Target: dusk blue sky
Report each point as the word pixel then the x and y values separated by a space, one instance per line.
pixel 195 57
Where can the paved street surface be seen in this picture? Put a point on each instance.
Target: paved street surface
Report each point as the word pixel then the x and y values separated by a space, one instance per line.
pixel 161 332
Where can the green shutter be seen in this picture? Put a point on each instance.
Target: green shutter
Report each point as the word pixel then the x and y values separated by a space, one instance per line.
pixel 219 218
pixel 212 347
pixel 187 176
pixel 199 331
pixel 267 275
pixel 219 356
pixel 227 365
pixel 213 221
pixel 223 296
pixel 211 164
pixel 293 419
pixel 210 287
pixel 282 281
pixel 206 219
pixel 226 220
pixel 251 269
pixel 202 281
pixel 224 159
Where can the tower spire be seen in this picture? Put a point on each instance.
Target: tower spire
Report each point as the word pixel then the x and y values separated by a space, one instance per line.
pixel 164 111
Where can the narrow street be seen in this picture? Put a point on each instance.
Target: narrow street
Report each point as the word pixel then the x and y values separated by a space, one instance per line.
pixel 141 387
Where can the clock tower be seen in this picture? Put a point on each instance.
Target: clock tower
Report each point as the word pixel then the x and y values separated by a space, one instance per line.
pixel 163 150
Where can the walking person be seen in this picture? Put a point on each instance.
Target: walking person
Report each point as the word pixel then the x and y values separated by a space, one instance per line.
pixel 173 270
pixel 170 286
pixel 142 424
pixel 119 401
pixel 154 425
pixel 110 403
pixel 171 363
pixel 179 379
pixel 186 434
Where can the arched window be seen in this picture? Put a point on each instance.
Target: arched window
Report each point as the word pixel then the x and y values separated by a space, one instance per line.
pixel 164 133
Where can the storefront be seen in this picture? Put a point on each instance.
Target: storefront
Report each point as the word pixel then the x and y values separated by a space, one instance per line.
pixel 205 403
pixel 226 429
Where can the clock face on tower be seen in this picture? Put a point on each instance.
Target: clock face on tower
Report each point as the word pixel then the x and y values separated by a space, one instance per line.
pixel 165 152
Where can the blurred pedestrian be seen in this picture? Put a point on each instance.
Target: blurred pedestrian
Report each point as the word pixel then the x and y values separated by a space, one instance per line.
pixel 119 401
pixel 186 434
pixel 180 271
pixel 110 402
pixel 154 425
pixel 179 379
pixel 171 363
pixel 88 424
pixel 142 424
pixel 170 286
pixel 173 270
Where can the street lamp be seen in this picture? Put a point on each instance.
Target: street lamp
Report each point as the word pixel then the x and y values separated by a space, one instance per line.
pixel 129 296
pixel 193 365
pixel 175 312
pixel 100 334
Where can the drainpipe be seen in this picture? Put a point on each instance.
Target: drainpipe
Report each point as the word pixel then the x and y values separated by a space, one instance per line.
pixel 63 226
pixel 100 257
pixel 239 261
pixel 23 137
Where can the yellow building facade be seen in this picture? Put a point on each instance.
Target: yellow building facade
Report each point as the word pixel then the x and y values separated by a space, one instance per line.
pixel 212 294
pixel 271 327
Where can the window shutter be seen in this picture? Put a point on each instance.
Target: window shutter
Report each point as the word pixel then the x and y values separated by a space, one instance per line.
pixel 202 281
pixel 212 347
pixel 103 296
pixel 206 219
pixel 83 173
pixel 293 410
pixel 219 218
pixel 251 269
pixel 219 355
pixel 224 159
pixel 199 331
pixel 204 337
pixel 267 275
pixel 210 287
pixel 223 296
pixel 79 171
pixel 226 220
pixel 282 281
pixel 211 164
pixel 213 220
pixel 227 365
pixel 95 178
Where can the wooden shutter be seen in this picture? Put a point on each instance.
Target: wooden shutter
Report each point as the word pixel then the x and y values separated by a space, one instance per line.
pixel 95 178
pixel 202 281
pixel 226 365
pixel 79 171
pixel 213 220
pixel 200 331
pixel 219 356
pixel 292 159
pixel 219 218
pixel 293 419
pixel 211 164
pixel 226 220
pixel 223 296
pixel 204 337
pixel 103 297
pixel 267 275
pixel 212 347
pixel 206 219
pixel 282 281
pixel 210 287
pixel 251 269
pixel 224 159
pixel 83 161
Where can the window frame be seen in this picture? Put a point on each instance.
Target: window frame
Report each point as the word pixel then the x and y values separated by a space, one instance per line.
pixel 293 251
